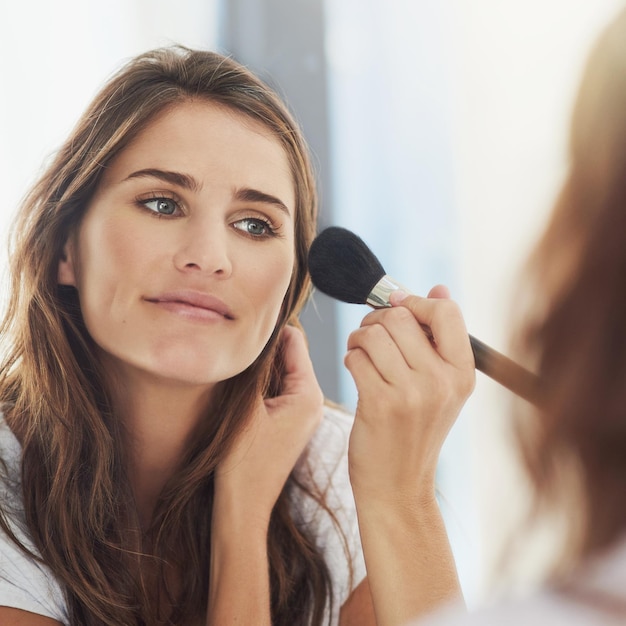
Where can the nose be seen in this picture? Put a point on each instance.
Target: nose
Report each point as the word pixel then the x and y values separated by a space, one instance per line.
pixel 203 247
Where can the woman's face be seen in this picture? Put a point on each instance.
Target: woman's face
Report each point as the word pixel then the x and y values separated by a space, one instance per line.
pixel 186 250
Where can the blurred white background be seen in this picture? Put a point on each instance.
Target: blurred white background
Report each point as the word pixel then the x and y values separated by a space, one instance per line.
pixel 448 133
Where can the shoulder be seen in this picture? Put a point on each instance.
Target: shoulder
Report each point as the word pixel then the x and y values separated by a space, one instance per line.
pixel 323 465
pixel 10 448
pixel 10 468
pixel 324 462
pixel 329 443
pixel 323 468
pixel 25 583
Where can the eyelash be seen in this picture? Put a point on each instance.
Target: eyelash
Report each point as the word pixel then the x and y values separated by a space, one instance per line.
pixel 270 229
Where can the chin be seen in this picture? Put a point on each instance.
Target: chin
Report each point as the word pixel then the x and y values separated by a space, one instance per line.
pixel 182 372
pixel 181 365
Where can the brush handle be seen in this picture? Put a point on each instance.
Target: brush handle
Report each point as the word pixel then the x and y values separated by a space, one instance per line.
pixel 505 371
pixel 501 369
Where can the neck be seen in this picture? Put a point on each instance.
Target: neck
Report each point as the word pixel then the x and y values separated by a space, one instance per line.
pixel 160 418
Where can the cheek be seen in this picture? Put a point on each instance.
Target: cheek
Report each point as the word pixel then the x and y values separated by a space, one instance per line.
pixel 280 280
pixel 109 257
pixel 271 285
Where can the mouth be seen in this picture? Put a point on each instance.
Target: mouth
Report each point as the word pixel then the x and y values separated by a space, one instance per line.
pixel 193 304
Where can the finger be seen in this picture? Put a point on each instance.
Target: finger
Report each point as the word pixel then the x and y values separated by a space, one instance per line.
pixel 446 323
pixel 298 368
pixel 385 353
pixel 406 333
pixel 365 374
pixel 293 346
pixel 297 362
pixel 439 291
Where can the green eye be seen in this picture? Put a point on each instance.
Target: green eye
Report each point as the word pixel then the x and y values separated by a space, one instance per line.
pixel 255 227
pixel 163 206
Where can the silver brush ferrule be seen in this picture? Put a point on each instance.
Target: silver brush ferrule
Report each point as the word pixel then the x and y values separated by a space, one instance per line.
pixel 379 296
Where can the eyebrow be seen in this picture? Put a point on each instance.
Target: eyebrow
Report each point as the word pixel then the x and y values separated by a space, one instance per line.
pixel 185 181
pixel 254 195
pixel 175 178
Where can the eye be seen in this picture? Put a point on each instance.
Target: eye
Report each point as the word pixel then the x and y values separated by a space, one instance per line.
pixel 255 227
pixel 161 206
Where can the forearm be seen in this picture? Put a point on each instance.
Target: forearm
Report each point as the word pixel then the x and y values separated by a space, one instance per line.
pixel 248 482
pixel 410 565
pixel 411 387
pixel 239 591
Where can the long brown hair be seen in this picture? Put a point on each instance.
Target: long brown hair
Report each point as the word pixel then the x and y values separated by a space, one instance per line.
pixel 574 447
pixel 78 503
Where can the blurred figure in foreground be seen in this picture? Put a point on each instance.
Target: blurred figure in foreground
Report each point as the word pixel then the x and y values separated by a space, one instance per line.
pixel 574 333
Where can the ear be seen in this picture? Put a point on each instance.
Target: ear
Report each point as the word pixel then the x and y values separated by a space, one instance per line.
pixel 66 274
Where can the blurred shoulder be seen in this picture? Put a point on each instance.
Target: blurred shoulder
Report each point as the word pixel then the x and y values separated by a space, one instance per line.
pixel 545 608
pixel 592 595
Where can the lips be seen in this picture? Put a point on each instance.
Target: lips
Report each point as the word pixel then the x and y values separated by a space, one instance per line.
pixel 194 303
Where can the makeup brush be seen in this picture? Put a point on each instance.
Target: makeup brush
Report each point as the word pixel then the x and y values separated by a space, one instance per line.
pixel 343 267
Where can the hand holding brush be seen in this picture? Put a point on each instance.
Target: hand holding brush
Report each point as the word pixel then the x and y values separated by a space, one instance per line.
pixel 411 387
pixel 343 267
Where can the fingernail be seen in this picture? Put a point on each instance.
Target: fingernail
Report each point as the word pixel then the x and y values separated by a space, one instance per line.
pixel 396 297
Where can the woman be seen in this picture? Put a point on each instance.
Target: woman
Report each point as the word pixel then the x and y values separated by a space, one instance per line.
pixel 574 443
pixel 167 457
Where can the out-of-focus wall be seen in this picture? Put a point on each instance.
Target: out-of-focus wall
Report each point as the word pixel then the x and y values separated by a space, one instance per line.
pixel 55 55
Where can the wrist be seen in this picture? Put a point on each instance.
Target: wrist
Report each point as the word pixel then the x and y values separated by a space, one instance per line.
pixel 239 572
pixel 401 508
pixel 407 509
pixel 418 493
pixel 236 515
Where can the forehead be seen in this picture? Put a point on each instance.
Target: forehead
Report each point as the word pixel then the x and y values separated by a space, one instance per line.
pixel 212 143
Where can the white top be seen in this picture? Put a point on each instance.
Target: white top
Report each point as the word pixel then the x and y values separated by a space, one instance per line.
pixel 26 585
pixel 597 597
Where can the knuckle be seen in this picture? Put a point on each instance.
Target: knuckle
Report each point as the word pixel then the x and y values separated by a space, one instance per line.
pixel 373 333
pixel 371 317
pixel 373 330
pixel 348 358
pixel 352 358
pixel 403 315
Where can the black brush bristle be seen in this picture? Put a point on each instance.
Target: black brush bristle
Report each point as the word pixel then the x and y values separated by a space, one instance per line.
pixel 342 266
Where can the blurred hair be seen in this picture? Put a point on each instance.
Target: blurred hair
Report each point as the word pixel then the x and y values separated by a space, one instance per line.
pixel 574 325
pixel 78 502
